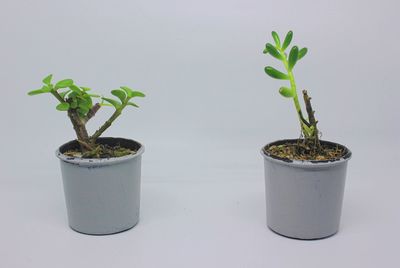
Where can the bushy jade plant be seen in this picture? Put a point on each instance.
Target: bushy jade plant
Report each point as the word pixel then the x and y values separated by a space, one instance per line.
pixel 77 102
pixel 289 58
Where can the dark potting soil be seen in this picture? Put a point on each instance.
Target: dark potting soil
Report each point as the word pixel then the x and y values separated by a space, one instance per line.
pixel 101 151
pixel 105 148
pixel 298 149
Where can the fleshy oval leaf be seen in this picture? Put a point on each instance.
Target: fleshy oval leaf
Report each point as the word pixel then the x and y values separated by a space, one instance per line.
pixel 287 40
pixel 286 92
pixel 274 73
pixel 44 89
pixel 127 90
pixel 64 83
pixel 114 103
pixel 63 106
pixel 47 79
pixel 293 56
pixel 276 38
pixel 75 89
pixel 133 104
pixel 273 51
pixel 119 93
pixel 302 53
pixel 138 94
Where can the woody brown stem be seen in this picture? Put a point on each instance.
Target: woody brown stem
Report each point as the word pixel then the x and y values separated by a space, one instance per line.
pixel 313 139
pixel 80 130
pixel 92 112
pixel 310 112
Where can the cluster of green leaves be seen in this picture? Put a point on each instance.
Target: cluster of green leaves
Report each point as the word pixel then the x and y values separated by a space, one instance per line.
pixel 289 61
pixel 76 97
pixel 124 95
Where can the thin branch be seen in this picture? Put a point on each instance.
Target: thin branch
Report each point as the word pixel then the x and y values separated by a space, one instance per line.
pixel 310 112
pixel 92 112
pixel 58 96
pixel 106 125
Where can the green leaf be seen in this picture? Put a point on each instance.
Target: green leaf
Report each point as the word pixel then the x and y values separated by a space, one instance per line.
pixel 265 51
pixel 106 104
pixel 94 95
pixel 44 89
pixel 133 104
pixel 114 103
pixel 84 104
pixel 86 88
pixel 64 106
pixel 119 93
pixel 128 91
pixel 138 94
pixel 82 109
pixel 64 83
pixel 293 56
pixel 88 100
pixel 72 95
pixel 287 40
pixel 286 92
pixel 275 73
pixel 131 94
pixel 75 89
pixel 63 94
pixel 273 51
pixel 47 79
pixel 74 103
pixel 302 53
pixel 276 38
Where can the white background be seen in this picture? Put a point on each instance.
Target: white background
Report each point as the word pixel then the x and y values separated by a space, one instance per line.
pixel 209 109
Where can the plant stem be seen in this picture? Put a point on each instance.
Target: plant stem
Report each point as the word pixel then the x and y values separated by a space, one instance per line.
pixel 80 130
pixel 79 125
pixel 313 140
pixel 303 123
pixel 107 124
pixel 91 112
pixel 58 96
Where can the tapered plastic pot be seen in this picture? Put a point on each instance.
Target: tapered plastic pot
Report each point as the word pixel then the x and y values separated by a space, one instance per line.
pixel 304 198
pixel 102 195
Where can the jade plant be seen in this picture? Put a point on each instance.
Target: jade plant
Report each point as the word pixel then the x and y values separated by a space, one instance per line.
pixel 78 103
pixel 309 143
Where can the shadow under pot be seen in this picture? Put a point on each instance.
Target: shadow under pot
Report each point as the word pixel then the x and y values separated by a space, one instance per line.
pixel 102 195
pixel 304 198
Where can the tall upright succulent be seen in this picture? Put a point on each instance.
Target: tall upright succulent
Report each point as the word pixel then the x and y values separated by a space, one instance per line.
pixel 308 127
pixel 78 103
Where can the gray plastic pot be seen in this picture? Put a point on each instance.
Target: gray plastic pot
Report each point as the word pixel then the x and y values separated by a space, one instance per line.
pixel 304 198
pixel 102 195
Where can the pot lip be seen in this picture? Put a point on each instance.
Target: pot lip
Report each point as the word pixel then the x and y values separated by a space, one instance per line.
pixel 306 163
pixel 89 162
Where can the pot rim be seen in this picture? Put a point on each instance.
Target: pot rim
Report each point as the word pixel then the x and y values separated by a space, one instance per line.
pixel 89 162
pixel 306 163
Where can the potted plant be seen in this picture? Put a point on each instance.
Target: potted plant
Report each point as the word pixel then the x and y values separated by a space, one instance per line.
pixel 101 176
pixel 304 177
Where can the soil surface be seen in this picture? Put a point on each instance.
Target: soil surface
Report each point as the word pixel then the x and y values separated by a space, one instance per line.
pixel 101 151
pixel 299 150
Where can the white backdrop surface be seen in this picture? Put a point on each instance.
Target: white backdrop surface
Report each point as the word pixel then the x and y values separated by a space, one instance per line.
pixel 209 109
